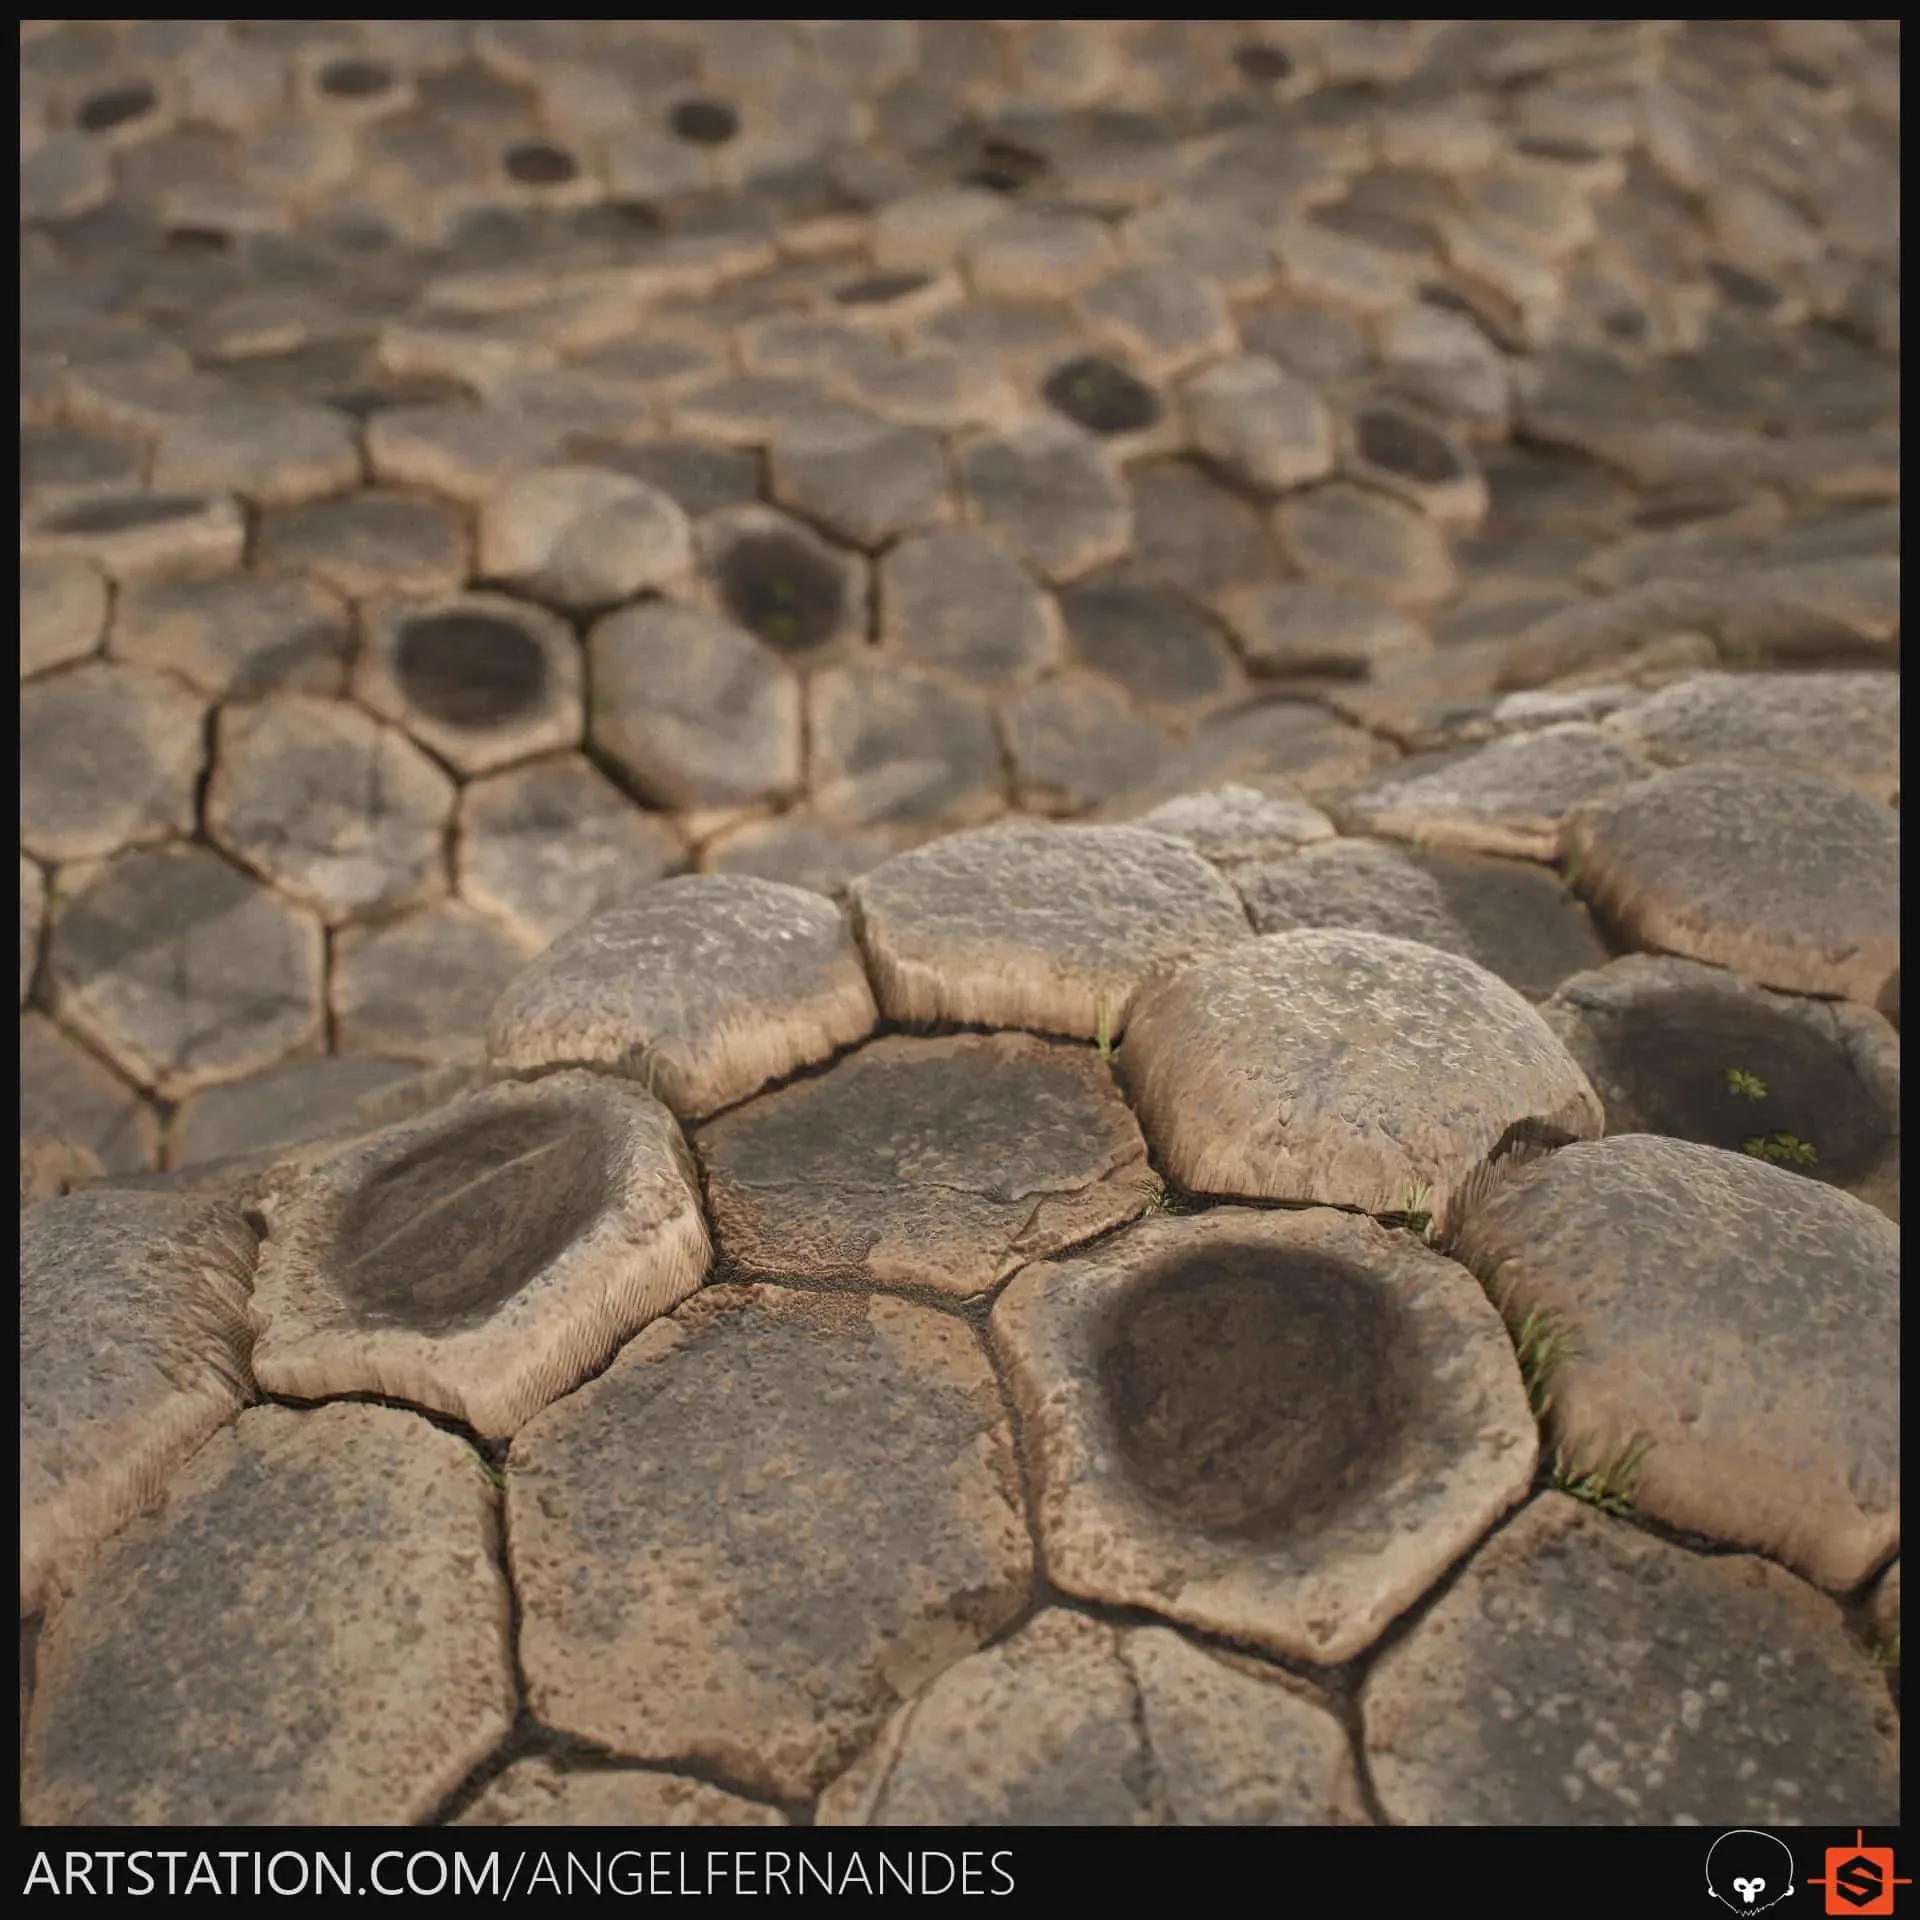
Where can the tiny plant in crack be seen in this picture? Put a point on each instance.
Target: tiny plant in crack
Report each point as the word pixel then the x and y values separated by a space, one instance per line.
pixel 1542 1346
pixel 1415 1212
pixel 1749 1086
pixel 1103 1029
pixel 1885 1653
pixel 1783 1149
pixel 1610 1488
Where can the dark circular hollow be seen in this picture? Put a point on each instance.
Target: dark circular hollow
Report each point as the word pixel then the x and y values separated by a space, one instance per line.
pixel 355 79
pixel 1095 394
pixel 704 123
pixel 1262 63
pixel 470 670
pixel 879 288
pixel 1253 1392
pixel 448 1234
pixel 1713 1069
pixel 1397 444
pixel 539 163
pixel 776 586
pixel 199 241
pixel 114 106
pixel 1568 152
pixel 1742 288
pixel 122 516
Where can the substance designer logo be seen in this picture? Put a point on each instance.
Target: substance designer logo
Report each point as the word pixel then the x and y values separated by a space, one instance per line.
pixel 1859 1878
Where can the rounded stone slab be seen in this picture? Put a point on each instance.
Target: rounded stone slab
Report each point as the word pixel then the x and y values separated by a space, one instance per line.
pixel 1071 1722
pixel 940 1164
pixel 286 1105
pixel 1791 880
pixel 109 758
pixel 67 1095
pixel 798 850
pixel 271 456
pixel 1350 536
pixel 478 678
pixel 1673 1047
pixel 484 1259
pixel 1050 495
pixel 237 636
pixel 137 536
pixel 1736 1326
pixel 774 1517
pixel 1517 921
pixel 863 479
pixel 182 970
pixel 1267 427
pixel 63 610
pixel 1342 1067
pixel 1234 825
pixel 420 985
pixel 1840 726
pixel 1300 627
pixel 1583 1672
pixel 1205 1440
pixel 376 541
pixel 583 538
pixel 133 1349
pixel 314 1627
pixel 952 600
pixel 1509 797
pixel 538 1792
pixel 1026 925
pixel 707 987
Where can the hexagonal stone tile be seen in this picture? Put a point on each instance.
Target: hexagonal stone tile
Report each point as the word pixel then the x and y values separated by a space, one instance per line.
pixel 481 1260
pixel 1286 744
pixel 134 536
pixel 798 850
pixel 109 758
pixel 1510 796
pixel 1792 880
pixel 776 577
pixel 182 970
pixel 1400 452
pixel 1517 921
pixel 1158 317
pixel 238 636
pixel 1266 426
pixel 1190 532
pixel 67 1094
pixel 1076 741
pixel 289 797
pixel 63 610
pixel 1048 493
pixel 862 478
pixel 1841 726
pixel 1028 925
pixel 542 847
pixel 314 1627
pixel 583 538
pixel 1352 536
pixel 272 456
pixel 1202 1443
pixel 777 1515
pixel 464 452
pixel 698 711
pixel 937 1164
pixel 707 987
pixel 1155 643
pixel 1673 1047
pixel 1581 1671
pixel 1340 1066
pixel 891 745
pixel 1067 1722
pixel 133 1349
pixel 1737 1334
pixel 1030 255
pixel 420 986
pixel 539 1792
pixel 376 541
pixel 1302 627
pixel 953 600
pixel 1233 826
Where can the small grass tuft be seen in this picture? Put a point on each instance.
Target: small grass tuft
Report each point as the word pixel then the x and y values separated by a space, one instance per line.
pixel 1885 1653
pixel 1782 1149
pixel 1749 1086
pixel 1543 1345
pixel 1610 1488
pixel 1103 1028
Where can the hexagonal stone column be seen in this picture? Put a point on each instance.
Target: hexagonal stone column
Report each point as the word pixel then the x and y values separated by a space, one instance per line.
pixel 1282 1427
pixel 775 1517
pixel 1736 1336
pixel 1329 1064
pixel 133 1349
pixel 485 1258
pixel 1581 1670
pixel 313 1629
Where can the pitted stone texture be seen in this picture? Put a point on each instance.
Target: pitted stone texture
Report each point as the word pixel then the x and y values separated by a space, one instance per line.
pixel 925 1164
pixel 1158 318
pixel 1840 726
pixel 464 452
pixel 1266 426
pixel 1027 925
pixel 952 600
pixel 544 846
pixel 479 679
pixel 271 456
pixel 377 541
pixel 289 797
pixel 1192 533
pixel 1791 880
pixel 890 745
pixel 482 1260
pixel 1510 796
pixel 329 1097
pixel 1048 493
pixel 772 574
pixel 1581 1671
pixel 583 538
pixel 706 987
pixel 1739 1322
pixel 140 536
pixel 63 610
pixel 419 986
pixel 537 1792
pixel 697 711
pixel 109 758
pixel 1077 741
pixel 1517 921
pixel 182 970
pixel 1301 628
pixel 1673 1047
pixel 1201 1444
pixel 1067 1722
pixel 1351 536
pixel 1234 826
pixel 314 1627
pixel 775 1517
pixel 1331 1065
pixel 237 636
pixel 1171 660
pixel 68 1095
pixel 863 479
pixel 133 1349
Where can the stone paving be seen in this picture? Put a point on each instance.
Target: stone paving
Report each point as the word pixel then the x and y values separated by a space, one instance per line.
pixel 959 922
